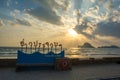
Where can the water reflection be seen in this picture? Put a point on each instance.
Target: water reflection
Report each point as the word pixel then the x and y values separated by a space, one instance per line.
pixel 93 52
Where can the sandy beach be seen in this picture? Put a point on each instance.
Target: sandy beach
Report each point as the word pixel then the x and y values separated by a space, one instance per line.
pixel 81 72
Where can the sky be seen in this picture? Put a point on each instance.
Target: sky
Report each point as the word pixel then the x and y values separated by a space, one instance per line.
pixel 70 22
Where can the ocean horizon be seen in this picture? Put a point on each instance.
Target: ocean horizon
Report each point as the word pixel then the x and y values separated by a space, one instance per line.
pixel 11 52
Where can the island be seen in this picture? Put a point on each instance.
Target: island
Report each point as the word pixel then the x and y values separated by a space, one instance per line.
pixel 112 46
pixel 86 45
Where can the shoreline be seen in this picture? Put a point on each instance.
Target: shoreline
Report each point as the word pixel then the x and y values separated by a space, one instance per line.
pixel 7 62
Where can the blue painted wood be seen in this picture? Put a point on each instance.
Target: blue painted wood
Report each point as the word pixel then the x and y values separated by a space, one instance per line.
pixel 38 58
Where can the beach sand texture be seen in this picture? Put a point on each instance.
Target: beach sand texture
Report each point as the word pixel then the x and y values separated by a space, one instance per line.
pixel 80 72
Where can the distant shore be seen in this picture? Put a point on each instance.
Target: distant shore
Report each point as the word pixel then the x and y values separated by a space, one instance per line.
pixel 75 61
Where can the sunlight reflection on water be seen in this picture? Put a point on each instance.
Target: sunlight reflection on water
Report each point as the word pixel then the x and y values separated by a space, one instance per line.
pixel 92 52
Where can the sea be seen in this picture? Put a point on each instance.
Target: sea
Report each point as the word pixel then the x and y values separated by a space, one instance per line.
pixel 81 53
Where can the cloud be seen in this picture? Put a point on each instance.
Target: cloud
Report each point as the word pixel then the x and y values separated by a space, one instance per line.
pixel 53 4
pixel 108 29
pixel 46 15
pixel 115 16
pixel 47 10
pixel 104 28
pixel 86 25
pixel 82 29
pixel 23 22
pixel 108 40
pixel 113 4
pixel 99 19
pixel 93 1
pixel 94 10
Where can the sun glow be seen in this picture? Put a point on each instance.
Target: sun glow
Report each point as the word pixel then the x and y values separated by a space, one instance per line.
pixel 72 32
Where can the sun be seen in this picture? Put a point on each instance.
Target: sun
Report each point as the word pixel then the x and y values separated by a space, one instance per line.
pixel 72 32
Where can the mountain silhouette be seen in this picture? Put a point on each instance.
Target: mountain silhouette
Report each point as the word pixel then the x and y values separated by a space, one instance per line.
pixel 86 45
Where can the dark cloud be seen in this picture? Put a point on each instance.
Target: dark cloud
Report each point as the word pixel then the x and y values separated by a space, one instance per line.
pixel 103 29
pixel 46 10
pixel 80 30
pixel 108 29
pixel 46 15
pixel 53 4
pixel 23 22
